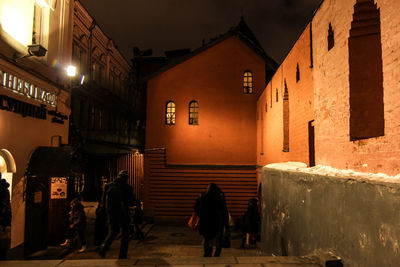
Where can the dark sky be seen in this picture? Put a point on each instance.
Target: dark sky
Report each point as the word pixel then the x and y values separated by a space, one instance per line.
pixel 174 24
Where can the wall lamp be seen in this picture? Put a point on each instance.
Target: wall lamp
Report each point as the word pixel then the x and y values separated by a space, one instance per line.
pixel 33 50
pixel 36 50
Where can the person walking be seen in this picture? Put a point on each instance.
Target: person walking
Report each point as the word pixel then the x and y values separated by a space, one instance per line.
pixel 78 225
pixel 250 224
pixel 5 218
pixel 117 198
pixel 213 213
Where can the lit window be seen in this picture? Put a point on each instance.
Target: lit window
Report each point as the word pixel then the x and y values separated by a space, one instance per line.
pixel 37 24
pixel 247 82
pixel 170 113
pixel 194 113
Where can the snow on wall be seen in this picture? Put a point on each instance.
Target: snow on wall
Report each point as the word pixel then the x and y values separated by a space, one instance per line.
pixel 330 171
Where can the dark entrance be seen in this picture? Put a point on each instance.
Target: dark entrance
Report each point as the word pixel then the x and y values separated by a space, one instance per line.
pixel 311 144
pixel 36 215
pixel 46 216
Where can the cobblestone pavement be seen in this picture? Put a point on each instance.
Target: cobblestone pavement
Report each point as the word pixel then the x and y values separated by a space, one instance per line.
pixel 167 241
pixel 169 246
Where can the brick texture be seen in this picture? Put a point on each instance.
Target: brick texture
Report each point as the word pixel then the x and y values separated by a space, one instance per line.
pixel 300 96
pixel 331 84
pixel 323 94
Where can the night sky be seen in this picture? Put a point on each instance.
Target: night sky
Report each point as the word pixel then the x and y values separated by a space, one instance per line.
pixel 174 24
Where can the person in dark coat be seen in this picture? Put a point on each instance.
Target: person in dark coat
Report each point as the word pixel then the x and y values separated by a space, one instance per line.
pixel 100 223
pixel 250 223
pixel 213 213
pixel 117 198
pixel 78 224
pixel 5 218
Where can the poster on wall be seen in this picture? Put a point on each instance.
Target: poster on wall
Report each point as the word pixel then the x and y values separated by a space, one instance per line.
pixel 58 188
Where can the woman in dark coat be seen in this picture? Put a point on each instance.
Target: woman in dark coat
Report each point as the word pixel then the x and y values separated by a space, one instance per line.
pixel 213 213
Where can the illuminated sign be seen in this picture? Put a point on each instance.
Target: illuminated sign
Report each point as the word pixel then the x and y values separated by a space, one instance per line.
pixel 25 109
pixel 28 89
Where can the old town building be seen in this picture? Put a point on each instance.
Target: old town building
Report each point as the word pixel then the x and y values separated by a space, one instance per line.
pixel 333 103
pixel 332 100
pixel 200 124
pixel 35 50
pixel 105 125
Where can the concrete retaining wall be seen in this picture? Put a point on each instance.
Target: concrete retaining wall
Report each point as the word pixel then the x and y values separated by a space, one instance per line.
pixel 358 220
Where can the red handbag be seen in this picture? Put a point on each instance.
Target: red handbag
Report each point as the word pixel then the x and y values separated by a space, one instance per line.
pixel 194 221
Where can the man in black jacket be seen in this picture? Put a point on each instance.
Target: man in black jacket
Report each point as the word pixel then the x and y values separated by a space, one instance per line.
pixel 117 198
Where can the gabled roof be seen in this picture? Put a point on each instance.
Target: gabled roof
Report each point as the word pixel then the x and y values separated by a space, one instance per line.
pixel 242 31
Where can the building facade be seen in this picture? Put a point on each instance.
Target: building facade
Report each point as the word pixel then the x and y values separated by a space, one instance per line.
pixel 344 116
pixel 197 108
pixel 105 123
pixel 340 81
pixel 35 50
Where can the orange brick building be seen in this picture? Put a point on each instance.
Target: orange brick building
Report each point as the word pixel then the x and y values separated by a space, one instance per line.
pixel 285 109
pixel 200 124
pixel 346 63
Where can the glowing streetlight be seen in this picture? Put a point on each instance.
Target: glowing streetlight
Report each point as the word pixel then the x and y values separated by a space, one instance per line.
pixel 71 71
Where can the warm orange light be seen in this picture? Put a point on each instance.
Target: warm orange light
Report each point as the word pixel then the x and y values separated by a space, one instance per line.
pixel 16 20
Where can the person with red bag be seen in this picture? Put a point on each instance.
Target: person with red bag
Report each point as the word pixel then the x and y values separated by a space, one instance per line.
pixel 214 218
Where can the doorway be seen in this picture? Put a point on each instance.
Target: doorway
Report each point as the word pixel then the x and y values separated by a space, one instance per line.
pixel 311 144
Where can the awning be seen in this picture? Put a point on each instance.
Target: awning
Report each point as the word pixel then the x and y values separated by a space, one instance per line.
pixel 53 162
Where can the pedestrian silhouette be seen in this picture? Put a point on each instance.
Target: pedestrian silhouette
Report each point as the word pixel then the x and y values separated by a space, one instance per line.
pixel 213 213
pixel 250 224
pixel 100 223
pixel 5 218
pixel 117 198
pixel 77 225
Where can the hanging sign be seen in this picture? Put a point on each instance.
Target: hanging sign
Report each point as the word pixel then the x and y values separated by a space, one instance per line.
pixel 58 188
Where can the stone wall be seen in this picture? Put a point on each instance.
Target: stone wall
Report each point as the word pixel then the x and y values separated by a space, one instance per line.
pixel 356 219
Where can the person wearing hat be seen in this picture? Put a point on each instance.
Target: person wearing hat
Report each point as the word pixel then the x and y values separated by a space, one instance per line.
pixel 117 198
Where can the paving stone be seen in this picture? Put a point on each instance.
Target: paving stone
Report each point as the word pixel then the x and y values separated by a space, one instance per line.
pixel 95 263
pixel 188 260
pixel 271 259
pixel 235 265
pixel 32 263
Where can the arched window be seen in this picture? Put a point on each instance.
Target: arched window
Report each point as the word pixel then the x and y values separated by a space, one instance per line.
pixel 194 113
pixel 170 113
pixel 247 82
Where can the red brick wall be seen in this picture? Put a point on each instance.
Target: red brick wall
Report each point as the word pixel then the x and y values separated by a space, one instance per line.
pixel 331 83
pixel 300 108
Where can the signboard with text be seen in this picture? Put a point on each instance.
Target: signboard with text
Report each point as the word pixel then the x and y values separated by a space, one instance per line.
pixel 58 188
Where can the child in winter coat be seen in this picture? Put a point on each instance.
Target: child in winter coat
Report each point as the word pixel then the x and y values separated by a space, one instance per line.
pixel 78 224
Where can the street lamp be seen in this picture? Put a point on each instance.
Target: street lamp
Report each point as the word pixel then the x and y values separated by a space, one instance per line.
pixel 71 71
